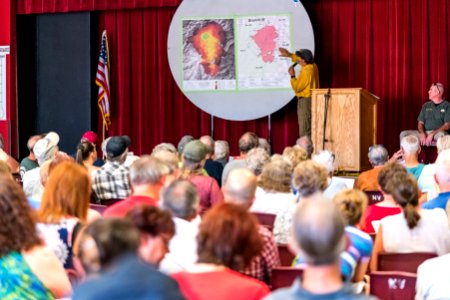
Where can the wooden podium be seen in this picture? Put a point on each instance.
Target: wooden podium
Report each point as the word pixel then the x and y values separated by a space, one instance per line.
pixel 351 125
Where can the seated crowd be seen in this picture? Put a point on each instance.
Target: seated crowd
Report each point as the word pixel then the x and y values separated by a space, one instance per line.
pixel 184 222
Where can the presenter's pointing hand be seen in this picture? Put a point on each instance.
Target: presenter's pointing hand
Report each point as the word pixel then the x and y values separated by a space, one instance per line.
pixel 284 52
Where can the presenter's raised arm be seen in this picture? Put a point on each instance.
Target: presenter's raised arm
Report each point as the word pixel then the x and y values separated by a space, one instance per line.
pixel 284 52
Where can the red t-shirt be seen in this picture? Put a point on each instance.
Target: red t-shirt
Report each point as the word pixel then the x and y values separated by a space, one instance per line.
pixel 375 213
pixel 121 208
pixel 220 285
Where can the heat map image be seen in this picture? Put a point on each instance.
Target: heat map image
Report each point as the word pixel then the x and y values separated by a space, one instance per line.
pixel 208 54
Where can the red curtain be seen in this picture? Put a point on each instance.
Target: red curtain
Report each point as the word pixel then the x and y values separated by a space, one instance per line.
pixel 59 6
pixel 394 49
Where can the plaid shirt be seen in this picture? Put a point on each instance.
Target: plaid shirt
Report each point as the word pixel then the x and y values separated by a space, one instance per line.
pixel 111 181
pixel 262 265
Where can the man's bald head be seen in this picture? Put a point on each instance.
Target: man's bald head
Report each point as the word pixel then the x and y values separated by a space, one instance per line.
pixel 240 187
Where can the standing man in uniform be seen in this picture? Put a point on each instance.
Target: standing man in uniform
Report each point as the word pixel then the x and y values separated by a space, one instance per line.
pixel 302 84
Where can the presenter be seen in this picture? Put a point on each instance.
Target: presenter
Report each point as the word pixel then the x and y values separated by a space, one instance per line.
pixel 302 84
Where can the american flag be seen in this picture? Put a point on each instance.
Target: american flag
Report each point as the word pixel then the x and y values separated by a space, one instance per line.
pixel 102 80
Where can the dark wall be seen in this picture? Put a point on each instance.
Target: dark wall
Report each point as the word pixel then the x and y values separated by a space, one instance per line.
pixel 61 80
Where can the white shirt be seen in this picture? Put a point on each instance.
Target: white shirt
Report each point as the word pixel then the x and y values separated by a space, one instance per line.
pixel 335 185
pixel 271 203
pixel 433 278
pixel 432 233
pixel 426 181
pixel 182 247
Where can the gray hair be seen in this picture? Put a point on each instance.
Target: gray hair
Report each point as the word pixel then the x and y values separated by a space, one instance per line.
pixel 147 170
pixel 247 142
pixel 443 143
pixel 164 147
pixel 256 159
pixel 181 199
pixel 309 177
pixel 410 144
pixel 221 149
pixel 326 158
pixel 263 143
pixel 306 143
pixel 183 141
pixel 378 155
pixel 319 230
pixel 169 158
pixel 208 142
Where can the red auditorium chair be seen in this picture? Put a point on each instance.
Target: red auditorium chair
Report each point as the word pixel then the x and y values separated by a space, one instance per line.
pixel 405 262
pixel 393 285
pixel 284 276
pixel 266 220
pixel 286 256
pixel 374 197
pixel 428 154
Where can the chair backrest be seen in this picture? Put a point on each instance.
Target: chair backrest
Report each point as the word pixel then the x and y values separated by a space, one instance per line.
pixel 98 207
pixel 393 285
pixel 405 262
pixel 374 197
pixel 284 276
pixel 266 220
pixel 286 256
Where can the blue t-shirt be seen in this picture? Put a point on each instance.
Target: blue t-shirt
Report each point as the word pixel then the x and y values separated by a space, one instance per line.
pixel 439 202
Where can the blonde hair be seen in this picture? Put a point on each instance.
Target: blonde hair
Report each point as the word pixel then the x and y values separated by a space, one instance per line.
pixel 352 204
pixel 295 155
pixel 66 193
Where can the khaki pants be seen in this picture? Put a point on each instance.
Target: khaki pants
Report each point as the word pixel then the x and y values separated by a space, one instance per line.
pixel 304 116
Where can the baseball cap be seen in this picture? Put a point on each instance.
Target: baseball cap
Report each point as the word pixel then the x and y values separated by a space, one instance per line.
pixel 45 149
pixel 117 145
pixel 90 136
pixel 195 151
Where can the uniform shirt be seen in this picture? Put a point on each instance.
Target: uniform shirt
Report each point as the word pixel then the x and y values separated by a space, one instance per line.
pixel 434 116
pixel 111 181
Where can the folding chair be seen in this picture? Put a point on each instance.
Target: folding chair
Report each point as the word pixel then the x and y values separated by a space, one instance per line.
pixel 374 197
pixel 284 276
pixel 267 220
pixel 393 285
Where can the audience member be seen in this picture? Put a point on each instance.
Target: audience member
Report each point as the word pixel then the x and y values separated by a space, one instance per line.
pixel 228 240
pixel 309 178
pixel 147 176
pixel 156 228
pixel 28 269
pixel 12 163
pixel 111 180
pixel 426 181
pixel 172 161
pixel 335 184
pixel 86 155
pixel 295 155
pixel 274 194
pixel 194 154
pixel 368 180
pixel 222 152
pixel 247 142
pixel 305 142
pixel 64 209
pixel 263 143
pixel 442 177
pixel 181 199
pixel 432 277
pixel 5 170
pixel 110 246
pixel 434 118
pixel 183 142
pixel 415 230
pixel 410 147
pixel 30 162
pixel 388 206
pixel 319 234
pixel 240 189
pixel 90 136
pixel 44 149
pixel 256 159
pixel 212 167
pixel 165 147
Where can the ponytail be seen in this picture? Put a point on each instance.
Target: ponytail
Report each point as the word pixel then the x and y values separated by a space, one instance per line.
pixel 411 215
pixel 79 157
